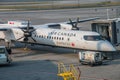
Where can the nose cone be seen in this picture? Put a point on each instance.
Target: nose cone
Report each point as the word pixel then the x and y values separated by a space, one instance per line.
pixel 105 46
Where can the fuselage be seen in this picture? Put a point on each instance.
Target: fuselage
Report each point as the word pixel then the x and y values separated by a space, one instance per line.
pixel 85 40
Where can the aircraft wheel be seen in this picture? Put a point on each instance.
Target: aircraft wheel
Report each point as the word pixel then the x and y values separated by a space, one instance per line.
pixel 91 64
pixel 100 63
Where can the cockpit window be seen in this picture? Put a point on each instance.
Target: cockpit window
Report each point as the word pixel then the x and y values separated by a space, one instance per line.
pixel 92 38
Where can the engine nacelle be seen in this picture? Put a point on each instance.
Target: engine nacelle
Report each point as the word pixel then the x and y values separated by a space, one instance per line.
pixel 59 26
pixel 65 26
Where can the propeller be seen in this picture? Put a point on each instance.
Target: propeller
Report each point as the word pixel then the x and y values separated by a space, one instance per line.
pixel 27 33
pixel 74 25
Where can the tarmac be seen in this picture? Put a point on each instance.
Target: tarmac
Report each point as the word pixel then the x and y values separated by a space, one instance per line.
pixel 40 62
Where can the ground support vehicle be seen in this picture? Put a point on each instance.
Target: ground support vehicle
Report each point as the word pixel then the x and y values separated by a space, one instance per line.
pixel 90 57
pixel 5 55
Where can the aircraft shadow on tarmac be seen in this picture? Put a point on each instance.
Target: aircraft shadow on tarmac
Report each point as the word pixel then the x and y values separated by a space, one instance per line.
pixel 114 59
pixel 28 53
pixel 44 48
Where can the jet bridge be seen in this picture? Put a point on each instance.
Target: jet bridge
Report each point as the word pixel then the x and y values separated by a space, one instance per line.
pixel 109 29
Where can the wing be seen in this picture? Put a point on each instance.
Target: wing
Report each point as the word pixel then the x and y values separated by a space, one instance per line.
pixel 7 33
pixel 83 20
pixel 69 25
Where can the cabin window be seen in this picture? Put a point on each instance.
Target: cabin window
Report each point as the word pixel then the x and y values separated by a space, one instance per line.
pixel 92 38
pixel 36 35
pixel 59 38
pixel 68 39
pixel 62 38
pixel 68 34
pixel 65 34
pixel 55 33
pixel 50 37
pixel 51 32
pixel 74 34
pixel 44 36
pixel 54 37
pixel 61 33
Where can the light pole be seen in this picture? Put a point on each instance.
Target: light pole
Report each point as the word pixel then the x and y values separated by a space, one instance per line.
pixel 117 13
pixel 52 4
pixel 107 13
pixel 78 3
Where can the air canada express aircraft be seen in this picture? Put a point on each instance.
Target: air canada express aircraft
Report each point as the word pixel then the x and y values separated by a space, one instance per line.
pixel 65 34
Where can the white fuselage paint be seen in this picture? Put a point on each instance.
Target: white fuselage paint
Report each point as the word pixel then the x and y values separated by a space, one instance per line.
pixel 66 38
pixel 57 37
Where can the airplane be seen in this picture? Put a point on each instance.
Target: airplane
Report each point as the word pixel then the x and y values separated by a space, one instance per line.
pixel 67 35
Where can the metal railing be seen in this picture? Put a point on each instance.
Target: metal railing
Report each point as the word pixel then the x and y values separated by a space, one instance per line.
pixel 68 72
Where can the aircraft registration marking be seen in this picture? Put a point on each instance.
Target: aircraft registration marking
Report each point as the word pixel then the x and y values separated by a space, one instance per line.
pixel 63 43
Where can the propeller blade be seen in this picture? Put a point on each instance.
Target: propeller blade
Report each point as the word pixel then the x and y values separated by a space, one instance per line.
pixel 28 25
pixel 74 25
pixel 33 30
pixel 77 22
pixel 33 39
pixel 20 38
pixel 27 32
pixel 71 22
pixel 23 30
